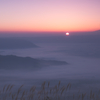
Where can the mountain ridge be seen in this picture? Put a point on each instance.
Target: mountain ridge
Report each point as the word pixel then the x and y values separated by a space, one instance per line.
pixel 15 62
pixel 15 43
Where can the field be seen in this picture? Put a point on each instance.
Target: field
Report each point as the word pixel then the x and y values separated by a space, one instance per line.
pixel 46 92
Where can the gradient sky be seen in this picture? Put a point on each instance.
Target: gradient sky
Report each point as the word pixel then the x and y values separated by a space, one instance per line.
pixel 49 15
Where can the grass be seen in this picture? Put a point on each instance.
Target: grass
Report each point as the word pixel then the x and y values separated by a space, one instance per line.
pixel 45 92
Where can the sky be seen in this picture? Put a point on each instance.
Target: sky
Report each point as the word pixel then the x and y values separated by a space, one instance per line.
pixel 49 15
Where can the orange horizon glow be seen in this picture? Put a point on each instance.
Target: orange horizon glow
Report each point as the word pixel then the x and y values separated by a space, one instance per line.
pixel 45 31
pixel 49 16
pixel 88 30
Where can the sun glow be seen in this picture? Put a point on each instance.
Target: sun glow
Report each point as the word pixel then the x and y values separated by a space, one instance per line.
pixel 67 33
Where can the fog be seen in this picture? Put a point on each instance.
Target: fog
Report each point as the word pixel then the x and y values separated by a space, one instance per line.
pixel 73 58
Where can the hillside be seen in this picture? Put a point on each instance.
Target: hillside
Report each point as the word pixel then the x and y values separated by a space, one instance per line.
pixel 15 62
pixel 15 43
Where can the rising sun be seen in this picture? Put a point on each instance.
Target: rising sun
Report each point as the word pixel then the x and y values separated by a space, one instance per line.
pixel 67 33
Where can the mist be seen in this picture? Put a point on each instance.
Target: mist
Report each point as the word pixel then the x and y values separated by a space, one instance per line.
pixel 74 58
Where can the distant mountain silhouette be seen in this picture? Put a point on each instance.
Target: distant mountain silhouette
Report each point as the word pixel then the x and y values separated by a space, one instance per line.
pixel 97 32
pixel 14 62
pixel 10 43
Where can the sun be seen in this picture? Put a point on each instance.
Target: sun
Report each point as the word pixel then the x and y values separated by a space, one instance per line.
pixel 67 33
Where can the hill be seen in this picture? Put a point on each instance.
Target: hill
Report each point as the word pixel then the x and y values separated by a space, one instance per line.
pixel 15 43
pixel 15 62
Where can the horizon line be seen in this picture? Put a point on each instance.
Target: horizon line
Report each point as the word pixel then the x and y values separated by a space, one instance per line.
pixel 44 31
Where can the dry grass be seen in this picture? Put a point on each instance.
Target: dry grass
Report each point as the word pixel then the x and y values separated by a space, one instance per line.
pixel 46 92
